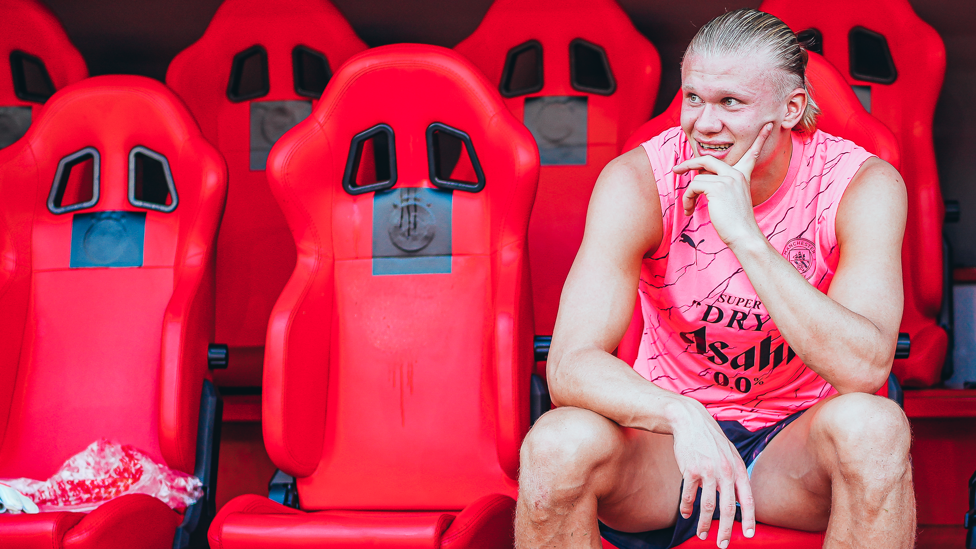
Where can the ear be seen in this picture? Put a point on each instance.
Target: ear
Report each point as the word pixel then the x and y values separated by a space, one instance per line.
pixel 796 104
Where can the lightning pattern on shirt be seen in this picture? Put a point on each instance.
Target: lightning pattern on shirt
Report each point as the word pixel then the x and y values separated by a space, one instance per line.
pixel 706 332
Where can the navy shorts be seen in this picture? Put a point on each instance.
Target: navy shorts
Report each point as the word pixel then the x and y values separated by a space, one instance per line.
pixel 749 444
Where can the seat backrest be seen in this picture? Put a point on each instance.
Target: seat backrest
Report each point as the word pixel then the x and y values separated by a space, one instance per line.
pixel 896 64
pixel 842 116
pixel 259 68
pixel 36 59
pixel 399 354
pixel 582 78
pixel 108 222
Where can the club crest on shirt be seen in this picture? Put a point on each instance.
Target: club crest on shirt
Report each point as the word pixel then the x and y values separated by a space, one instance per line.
pixel 802 254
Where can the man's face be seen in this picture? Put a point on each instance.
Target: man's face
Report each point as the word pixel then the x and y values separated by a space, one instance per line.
pixel 726 102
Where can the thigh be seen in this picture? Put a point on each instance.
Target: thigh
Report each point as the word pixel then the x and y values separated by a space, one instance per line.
pixel 790 480
pixel 638 485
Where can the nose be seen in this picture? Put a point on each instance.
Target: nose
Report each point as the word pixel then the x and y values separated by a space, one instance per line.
pixel 708 121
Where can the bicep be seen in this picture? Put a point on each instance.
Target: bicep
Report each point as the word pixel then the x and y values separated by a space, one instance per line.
pixel 870 227
pixel 623 222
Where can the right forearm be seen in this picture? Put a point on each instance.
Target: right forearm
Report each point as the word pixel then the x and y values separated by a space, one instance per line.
pixel 596 380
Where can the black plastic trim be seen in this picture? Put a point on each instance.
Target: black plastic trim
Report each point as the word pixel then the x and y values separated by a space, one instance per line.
pixel 17 60
pixel 298 71
pixel 355 155
pixel 68 162
pixel 947 314
pixel 970 519
pixel 895 392
pixel 432 160
pixel 218 356
pixel 852 57
pixel 283 489
pixel 505 85
pixel 606 67
pixel 139 149
pixel 236 69
pixel 196 521
pixel 540 346
pixel 903 348
pixel 539 400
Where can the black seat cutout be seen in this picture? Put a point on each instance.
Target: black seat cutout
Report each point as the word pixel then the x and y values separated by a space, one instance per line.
pixel 811 40
pixel 311 71
pixel 249 75
pixel 75 184
pixel 151 181
pixel 371 165
pixel 523 70
pixel 870 57
pixel 31 79
pixel 452 160
pixel 589 68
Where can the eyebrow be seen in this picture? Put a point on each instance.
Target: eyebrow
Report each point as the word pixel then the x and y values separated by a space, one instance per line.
pixel 724 93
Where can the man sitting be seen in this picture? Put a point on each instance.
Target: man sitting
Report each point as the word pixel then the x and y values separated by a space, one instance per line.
pixel 768 260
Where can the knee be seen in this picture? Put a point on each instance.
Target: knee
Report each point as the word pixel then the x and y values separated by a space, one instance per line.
pixel 563 450
pixel 870 437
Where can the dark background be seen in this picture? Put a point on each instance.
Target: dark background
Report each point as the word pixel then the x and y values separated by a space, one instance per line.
pixel 142 36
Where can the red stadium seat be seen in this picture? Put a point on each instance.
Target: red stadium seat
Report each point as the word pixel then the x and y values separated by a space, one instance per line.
pixel 582 78
pixel 36 59
pixel 259 68
pixel 399 353
pixel 108 223
pixel 842 116
pixel 896 63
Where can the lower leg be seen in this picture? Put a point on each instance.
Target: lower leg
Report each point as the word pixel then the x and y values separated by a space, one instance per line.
pixel 873 501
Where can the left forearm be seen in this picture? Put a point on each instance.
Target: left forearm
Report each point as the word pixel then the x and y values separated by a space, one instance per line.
pixel 845 348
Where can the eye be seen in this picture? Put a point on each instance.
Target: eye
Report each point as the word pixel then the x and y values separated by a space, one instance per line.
pixel 730 102
pixel 693 98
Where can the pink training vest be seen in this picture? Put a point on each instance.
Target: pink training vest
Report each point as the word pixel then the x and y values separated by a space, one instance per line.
pixel 706 332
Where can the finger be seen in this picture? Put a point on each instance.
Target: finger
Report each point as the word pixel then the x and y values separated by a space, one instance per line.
pixel 690 198
pixel 747 504
pixel 748 161
pixel 707 507
pixel 688 491
pixel 705 163
pixel 726 507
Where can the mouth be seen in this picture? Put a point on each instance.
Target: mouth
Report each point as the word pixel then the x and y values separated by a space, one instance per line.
pixel 718 147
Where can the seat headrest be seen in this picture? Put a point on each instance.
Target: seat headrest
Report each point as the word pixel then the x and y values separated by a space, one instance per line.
pixel 259 50
pixel 868 45
pixel 413 115
pixel 110 143
pixel 558 47
pixel 842 114
pixel 36 59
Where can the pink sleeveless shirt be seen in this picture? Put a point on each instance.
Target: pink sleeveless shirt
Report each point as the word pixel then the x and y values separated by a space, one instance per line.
pixel 706 332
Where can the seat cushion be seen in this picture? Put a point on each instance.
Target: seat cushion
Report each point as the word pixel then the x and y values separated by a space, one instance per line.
pixel 131 521
pixel 251 521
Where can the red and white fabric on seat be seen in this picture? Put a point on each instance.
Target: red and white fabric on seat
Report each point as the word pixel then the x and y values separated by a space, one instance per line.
pixel 399 353
pixel 896 63
pixel 36 59
pixel 842 116
pixel 259 68
pixel 108 223
pixel 582 78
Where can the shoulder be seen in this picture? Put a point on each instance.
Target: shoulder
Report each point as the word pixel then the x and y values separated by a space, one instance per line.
pixel 625 200
pixel 875 196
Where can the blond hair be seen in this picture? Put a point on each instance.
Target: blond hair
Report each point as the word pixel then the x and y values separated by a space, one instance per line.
pixel 746 31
